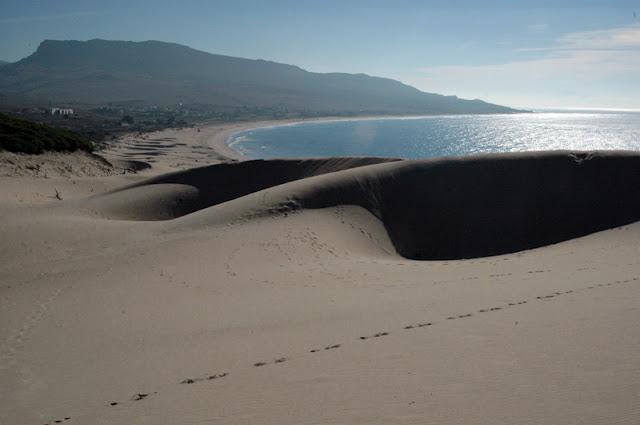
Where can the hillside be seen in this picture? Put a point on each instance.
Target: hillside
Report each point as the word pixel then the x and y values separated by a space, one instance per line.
pixel 98 72
pixel 17 135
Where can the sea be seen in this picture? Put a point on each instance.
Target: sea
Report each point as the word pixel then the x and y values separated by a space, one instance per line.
pixel 445 135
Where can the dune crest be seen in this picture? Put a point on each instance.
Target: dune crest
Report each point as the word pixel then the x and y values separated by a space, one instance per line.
pixel 449 208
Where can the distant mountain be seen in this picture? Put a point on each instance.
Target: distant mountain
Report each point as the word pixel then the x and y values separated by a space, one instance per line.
pixel 3 63
pixel 98 72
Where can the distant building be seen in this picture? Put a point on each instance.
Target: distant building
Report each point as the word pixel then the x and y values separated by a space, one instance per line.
pixel 61 111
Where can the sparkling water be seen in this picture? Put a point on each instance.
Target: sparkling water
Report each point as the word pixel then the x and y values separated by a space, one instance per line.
pixel 453 135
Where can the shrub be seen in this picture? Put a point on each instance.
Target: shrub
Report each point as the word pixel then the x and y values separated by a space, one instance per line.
pixel 18 135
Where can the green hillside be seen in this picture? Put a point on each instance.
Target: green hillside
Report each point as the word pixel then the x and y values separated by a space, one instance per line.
pixel 17 135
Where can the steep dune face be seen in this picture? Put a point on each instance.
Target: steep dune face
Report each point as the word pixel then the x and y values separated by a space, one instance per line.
pixel 448 208
pixel 489 205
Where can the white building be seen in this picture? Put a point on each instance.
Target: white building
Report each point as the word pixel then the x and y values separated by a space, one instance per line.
pixel 61 111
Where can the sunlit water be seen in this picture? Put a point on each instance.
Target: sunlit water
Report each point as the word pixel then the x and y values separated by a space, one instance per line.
pixel 444 135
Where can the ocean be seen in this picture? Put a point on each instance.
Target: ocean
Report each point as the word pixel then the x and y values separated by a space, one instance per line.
pixel 454 135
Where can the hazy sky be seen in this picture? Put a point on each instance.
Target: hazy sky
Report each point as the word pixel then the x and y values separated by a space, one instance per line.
pixel 535 54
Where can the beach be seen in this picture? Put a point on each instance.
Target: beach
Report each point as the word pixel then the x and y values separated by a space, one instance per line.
pixel 498 289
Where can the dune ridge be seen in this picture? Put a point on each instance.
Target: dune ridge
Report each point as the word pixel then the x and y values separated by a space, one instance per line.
pixel 446 208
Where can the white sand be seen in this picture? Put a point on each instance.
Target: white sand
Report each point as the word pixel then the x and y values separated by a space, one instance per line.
pixel 96 309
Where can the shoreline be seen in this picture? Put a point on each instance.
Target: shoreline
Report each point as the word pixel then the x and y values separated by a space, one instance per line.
pixel 207 142
pixel 204 143
pixel 219 140
pixel 223 132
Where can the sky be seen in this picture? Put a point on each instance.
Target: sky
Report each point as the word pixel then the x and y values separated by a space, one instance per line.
pixel 542 54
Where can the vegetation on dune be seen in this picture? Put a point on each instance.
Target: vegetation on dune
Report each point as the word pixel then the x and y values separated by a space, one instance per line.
pixel 17 135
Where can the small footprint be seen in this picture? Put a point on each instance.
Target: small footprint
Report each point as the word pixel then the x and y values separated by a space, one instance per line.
pixel 140 396
pixel 422 325
pixel 378 335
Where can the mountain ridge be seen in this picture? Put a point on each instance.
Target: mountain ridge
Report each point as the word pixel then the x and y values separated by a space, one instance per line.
pixel 160 73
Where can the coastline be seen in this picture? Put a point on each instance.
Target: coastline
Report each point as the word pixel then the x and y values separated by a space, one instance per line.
pixel 221 133
pixel 203 144
pixel 214 137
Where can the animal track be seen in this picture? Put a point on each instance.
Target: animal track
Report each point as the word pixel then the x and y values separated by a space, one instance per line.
pixel 460 316
pixel 378 335
pixel 143 396
pixel 140 396
pixel 207 378
pixel 418 325
pixel 538 271
pixel 58 421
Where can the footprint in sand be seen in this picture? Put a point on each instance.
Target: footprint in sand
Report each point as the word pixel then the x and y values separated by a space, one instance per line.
pixel 140 396
pixel 418 325
pixel 378 335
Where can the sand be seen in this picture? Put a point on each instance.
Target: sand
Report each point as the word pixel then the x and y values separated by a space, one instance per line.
pixel 280 292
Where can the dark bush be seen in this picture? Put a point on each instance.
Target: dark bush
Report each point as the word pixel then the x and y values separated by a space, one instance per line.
pixel 17 135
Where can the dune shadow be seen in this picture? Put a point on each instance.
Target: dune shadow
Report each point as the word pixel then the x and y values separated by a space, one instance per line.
pixel 446 208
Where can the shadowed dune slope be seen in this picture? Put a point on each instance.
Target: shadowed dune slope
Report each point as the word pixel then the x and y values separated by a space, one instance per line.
pixel 492 204
pixel 446 208
pixel 176 194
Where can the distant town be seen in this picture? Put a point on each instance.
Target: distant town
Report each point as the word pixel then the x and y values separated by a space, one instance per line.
pixel 108 121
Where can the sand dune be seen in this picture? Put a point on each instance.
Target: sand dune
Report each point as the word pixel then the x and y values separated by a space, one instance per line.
pixel 183 192
pixel 448 208
pixel 285 292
